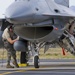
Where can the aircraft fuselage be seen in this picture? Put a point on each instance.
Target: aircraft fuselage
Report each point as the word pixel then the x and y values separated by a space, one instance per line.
pixel 38 19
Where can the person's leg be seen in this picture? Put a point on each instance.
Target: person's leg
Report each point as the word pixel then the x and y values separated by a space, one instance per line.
pixel 13 53
pixel 9 58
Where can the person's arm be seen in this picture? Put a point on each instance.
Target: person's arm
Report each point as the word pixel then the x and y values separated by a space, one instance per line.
pixel 11 41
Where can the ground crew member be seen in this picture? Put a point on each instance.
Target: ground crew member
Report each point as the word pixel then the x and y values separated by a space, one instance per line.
pixel 9 38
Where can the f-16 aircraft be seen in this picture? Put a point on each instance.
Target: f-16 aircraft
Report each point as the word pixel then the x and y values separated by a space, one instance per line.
pixel 42 23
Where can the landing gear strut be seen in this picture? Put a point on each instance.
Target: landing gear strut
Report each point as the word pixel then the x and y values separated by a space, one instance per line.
pixel 23 59
pixel 35 50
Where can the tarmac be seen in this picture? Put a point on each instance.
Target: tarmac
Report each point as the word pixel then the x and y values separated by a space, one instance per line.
pixel 47 67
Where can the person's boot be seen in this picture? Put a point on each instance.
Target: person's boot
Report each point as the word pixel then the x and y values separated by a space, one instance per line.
pixel 16 65
pixel 9 66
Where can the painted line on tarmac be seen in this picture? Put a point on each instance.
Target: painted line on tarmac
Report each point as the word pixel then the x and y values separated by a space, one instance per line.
pixel 6 73
pixel 36 69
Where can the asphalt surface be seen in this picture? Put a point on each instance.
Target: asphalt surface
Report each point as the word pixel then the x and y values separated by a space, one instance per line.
pixel 39 73
pixel 47 67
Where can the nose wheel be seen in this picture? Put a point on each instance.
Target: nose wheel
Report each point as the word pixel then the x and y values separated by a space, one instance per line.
pixel 35 53
pixel 36 62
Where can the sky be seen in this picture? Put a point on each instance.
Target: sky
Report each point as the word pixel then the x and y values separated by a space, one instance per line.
pixel 5 3
pixel 72 2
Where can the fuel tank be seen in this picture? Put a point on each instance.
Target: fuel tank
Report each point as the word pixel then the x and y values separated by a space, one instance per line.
pixel 20 46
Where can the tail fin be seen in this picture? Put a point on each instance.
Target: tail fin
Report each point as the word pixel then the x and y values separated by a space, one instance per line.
pixel 63 2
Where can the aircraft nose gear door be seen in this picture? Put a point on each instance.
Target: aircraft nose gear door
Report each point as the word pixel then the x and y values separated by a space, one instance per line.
pixel 35 52
pixel 70 38
pixel 68 42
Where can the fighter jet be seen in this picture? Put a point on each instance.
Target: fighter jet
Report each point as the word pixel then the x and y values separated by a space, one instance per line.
pixel 42 23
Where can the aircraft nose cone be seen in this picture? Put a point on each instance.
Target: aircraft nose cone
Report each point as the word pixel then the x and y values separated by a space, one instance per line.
pixel 17 12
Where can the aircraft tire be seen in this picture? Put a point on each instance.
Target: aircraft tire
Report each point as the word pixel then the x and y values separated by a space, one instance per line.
pixel 36 61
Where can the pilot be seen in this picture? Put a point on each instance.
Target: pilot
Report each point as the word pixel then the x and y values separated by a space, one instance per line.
pixel 9 38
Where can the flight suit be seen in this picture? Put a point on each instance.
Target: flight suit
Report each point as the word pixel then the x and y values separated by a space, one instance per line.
pixel 9 47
